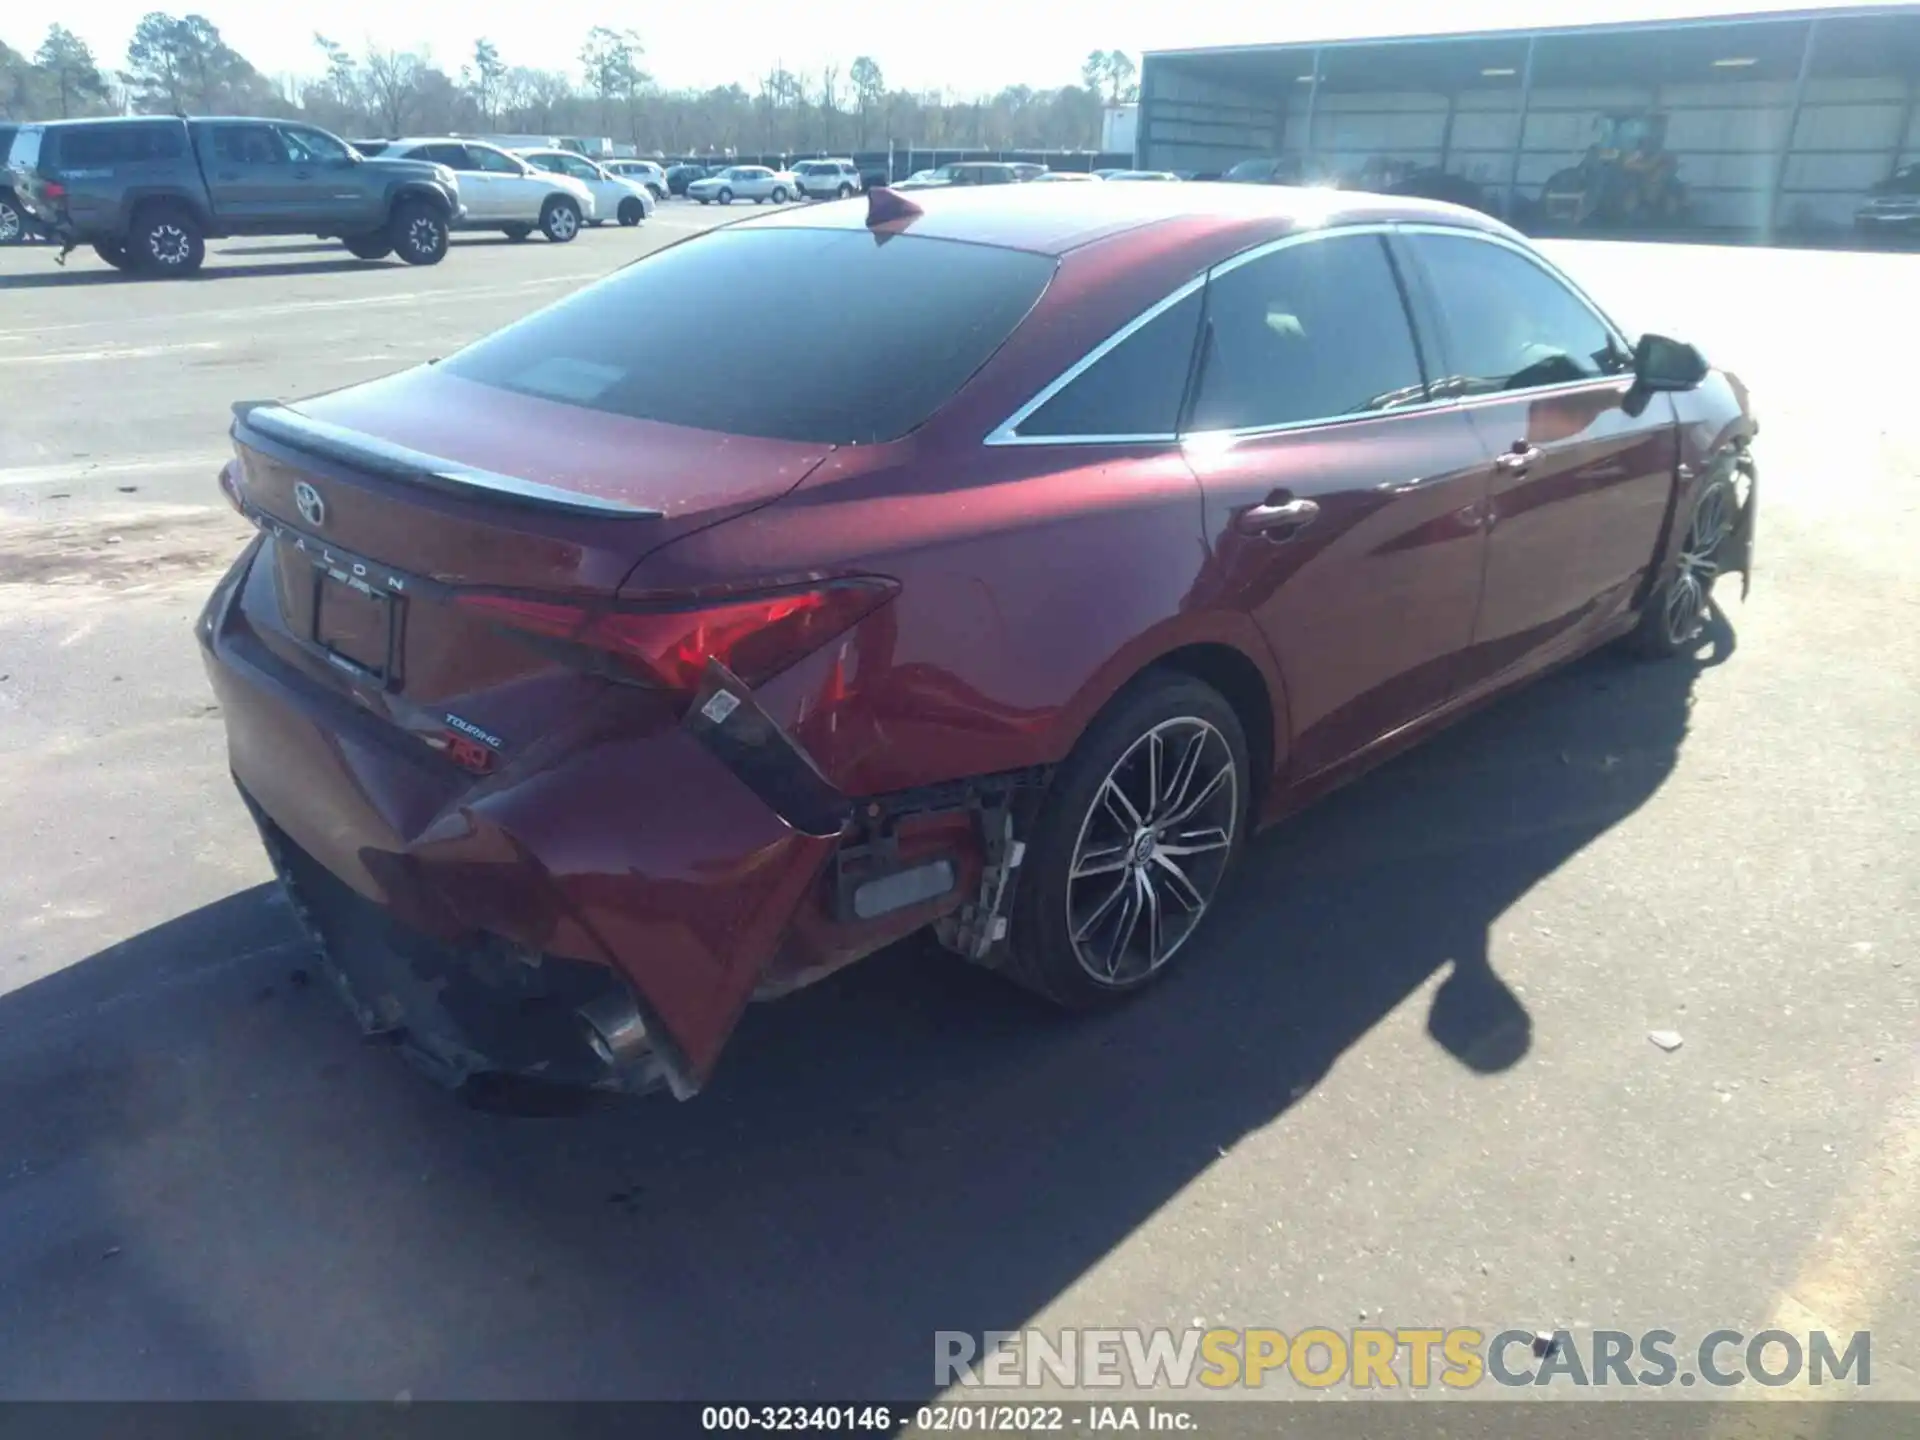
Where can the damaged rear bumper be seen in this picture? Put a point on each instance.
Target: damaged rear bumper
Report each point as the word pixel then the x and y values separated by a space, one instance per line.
pixel 601 919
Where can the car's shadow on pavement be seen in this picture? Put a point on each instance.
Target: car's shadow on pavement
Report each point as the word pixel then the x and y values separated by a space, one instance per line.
pixel 211 1188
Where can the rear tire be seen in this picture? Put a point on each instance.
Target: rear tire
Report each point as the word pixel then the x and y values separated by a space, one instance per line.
pixel 845 192
pixel 419 233
pixel 779 194
pixel 166 240
pixel 632 212
pixel 725 197
pixel 13 222
pixel 114 253
pixel 1138 831
pixel 368 247
pixel 559 219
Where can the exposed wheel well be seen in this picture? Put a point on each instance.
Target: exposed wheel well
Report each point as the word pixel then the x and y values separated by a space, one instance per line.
pixel 421 192
pixel 1242 686
pixel 174 204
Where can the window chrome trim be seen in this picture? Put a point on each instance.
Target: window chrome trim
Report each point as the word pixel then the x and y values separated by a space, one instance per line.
pixel 1007 432
pixel 1425 407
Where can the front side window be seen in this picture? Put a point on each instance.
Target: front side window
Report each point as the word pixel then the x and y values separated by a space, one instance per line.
pixel 1510 324
pixel 681 336
pixel 1135 389
pixel 313 146
pixel 248 145
pixel 1312 331
pixel 492 161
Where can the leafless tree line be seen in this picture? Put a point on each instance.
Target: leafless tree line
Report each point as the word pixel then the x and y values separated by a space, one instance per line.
pixel 182 64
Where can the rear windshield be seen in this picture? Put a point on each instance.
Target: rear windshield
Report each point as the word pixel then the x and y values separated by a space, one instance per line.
pixel 715 334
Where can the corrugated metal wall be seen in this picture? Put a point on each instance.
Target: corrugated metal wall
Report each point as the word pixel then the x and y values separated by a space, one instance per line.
pixel 1728 135
pixel 1200 124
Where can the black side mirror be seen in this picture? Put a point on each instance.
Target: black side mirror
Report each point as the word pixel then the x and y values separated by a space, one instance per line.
pixel 1663 364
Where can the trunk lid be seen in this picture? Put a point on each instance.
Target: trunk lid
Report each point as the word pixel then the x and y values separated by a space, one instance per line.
pixel 383 501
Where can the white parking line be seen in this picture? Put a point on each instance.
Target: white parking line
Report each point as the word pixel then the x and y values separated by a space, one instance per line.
pixel 462 294
pixel 118 352
pixel 76 470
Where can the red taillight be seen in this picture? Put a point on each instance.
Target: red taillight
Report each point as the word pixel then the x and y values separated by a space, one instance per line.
pixel 53 190
pixel 755 637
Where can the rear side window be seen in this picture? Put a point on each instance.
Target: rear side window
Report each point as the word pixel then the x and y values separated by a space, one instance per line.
pixel 25 150
pixel 1135 389
pixel 1314 331
pixel 684 335
pixel 91 145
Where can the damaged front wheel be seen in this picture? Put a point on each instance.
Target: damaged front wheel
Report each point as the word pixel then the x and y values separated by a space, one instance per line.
pixel 1676 612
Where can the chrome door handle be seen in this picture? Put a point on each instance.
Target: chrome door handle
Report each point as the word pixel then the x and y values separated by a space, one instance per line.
pixel 1515 462
pixel 1284 515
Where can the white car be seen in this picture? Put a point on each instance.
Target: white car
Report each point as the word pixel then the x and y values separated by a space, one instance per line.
pixel 744 182
pixel 827 179
pixel 645 171
pixel 503 192
pixel 615 197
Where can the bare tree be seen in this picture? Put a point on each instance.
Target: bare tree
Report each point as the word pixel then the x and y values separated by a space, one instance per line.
pixel 393 82
pixel 483 78
pixel 868 88
pixel 611 60
pixel 829 106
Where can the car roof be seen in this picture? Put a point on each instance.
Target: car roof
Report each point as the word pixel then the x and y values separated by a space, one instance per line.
pixel 1048 220
pixel 459 140
pixel 139 120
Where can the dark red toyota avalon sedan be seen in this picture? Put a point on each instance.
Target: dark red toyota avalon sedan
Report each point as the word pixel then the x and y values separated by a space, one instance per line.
pixel 644 658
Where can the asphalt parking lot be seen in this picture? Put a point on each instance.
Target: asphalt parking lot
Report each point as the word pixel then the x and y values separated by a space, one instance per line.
pixel 1407 1080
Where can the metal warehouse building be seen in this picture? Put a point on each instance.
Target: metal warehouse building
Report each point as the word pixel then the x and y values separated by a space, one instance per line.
pixel 1777 123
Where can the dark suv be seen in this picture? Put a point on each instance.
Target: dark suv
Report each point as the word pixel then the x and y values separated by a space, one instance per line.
pixel 148 192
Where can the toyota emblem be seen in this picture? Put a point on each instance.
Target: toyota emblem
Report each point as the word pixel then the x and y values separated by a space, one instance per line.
pixel 313 509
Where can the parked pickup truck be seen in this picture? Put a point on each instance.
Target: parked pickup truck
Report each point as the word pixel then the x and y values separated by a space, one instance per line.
pixel 148 192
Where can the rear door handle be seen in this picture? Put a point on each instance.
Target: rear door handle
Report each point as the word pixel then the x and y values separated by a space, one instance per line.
pixel 1516 461
pixel 1279 518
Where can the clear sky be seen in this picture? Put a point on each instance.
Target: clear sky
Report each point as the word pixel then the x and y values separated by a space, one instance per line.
pixel 970 47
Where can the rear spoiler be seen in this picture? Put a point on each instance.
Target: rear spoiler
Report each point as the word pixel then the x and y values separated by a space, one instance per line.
pixel 280 425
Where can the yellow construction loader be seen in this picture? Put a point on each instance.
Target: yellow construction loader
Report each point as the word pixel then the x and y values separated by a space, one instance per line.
pixel 1628 177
